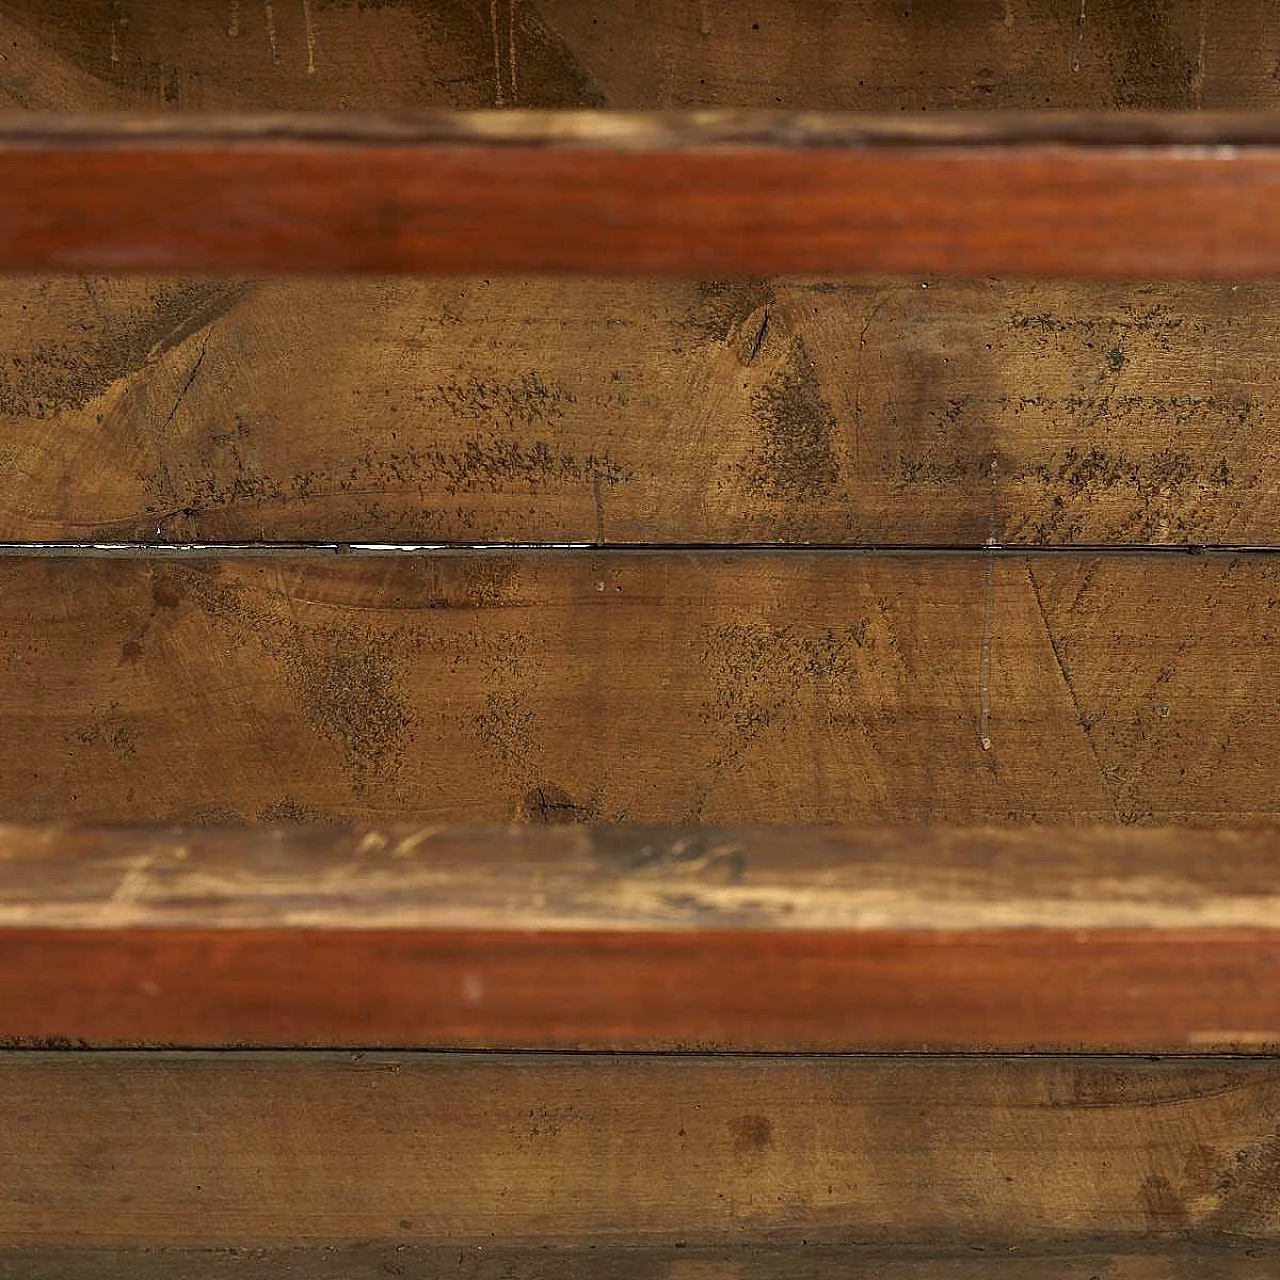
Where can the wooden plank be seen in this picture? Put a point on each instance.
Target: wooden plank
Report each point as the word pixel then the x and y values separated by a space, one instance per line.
pixel 757 1261
pixel 641 194
pixel 926 56
pixel 1175 990
pixel 641 938
pixel 1003 1155
pixel 795 410
pixel 786 687
pixel 860 55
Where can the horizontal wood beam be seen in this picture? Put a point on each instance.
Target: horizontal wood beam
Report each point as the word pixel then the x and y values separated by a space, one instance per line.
pixel 696 194
pixel 754 688
pixel 559 410
pixel 747 1158
pixel 634 938
pixel 755 1260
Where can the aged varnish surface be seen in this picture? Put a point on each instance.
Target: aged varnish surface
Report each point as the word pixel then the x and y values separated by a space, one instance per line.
pixel 598 192
pixel 626 938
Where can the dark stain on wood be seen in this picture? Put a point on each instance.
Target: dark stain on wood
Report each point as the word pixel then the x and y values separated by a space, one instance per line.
pixel 546 406
pixel 796 462
pixel 789 687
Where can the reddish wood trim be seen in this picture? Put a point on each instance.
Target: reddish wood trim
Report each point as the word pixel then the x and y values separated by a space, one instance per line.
pixel 739 989
pixel 610 196
pixel 634 937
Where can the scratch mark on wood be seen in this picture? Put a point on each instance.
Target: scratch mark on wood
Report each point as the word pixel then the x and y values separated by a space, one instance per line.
pixel 1081 719
pixel 409 844
pixel 309 23
pixel 233 24
pixel 186 386
pixel 993 516
pixel 271 34
pixel 371 842
pixel 511 49
pixel 984 678
pixel 118 22
pixel 758 341
pixel 164 475
pixel 1233 1037
pixel 857 374
pixel 597 491
pixel 1079 49
pixel 498 100
pixel 988 608
pixel 359 1064
pixel 1198 79
pixel 704 18
pixel 1008 13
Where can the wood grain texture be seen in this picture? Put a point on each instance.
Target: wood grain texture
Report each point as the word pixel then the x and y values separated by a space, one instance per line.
pixel 750 688
pixel 1002 1156
pixel 1221 1260
pixel 516 199
pixel 1136 990
pixel 1021 54
pixel 637 412
pixel 527 411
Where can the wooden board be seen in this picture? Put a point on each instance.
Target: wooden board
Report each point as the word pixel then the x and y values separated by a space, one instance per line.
pixel 861 55
pixel 626 938
pixel 591 193
pixel 266 1150
pixel 640 687
pixel 755 1261
pixel 1174 990
pixel 874 412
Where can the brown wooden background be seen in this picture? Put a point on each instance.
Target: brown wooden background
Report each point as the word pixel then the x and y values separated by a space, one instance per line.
pixel 692 685
pixel 1092 429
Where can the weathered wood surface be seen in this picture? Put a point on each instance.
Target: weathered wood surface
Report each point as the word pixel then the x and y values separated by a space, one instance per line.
pixel 636 199
pixel 868 412
pixel 1003 1156
pixel 1019 54
pixel 749 688
pixel 538 878
pixel 754 1261
pixel 640 412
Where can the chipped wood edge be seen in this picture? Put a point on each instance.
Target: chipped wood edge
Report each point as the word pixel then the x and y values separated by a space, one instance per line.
pixel 641 879
pixel 649 130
